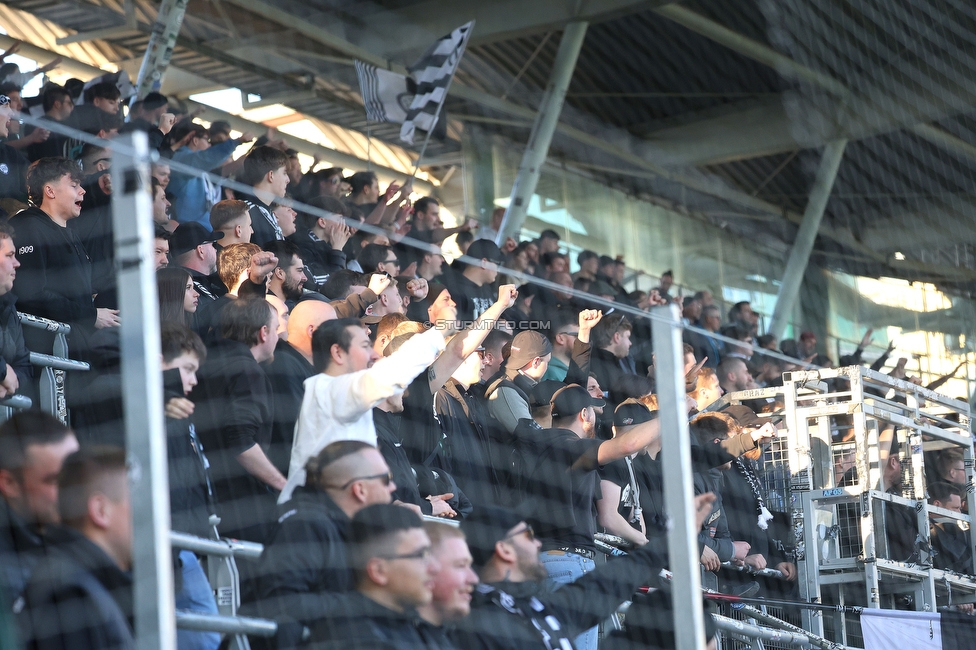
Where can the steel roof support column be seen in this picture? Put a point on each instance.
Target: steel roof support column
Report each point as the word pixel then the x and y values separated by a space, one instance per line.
pixel 543 129
pixel 800 255
pixel 160 48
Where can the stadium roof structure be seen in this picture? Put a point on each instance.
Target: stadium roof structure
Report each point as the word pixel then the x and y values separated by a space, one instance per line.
pixel 720 108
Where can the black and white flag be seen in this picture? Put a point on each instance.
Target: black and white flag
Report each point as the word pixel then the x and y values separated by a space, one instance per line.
pixel 386 95
pixel 433 74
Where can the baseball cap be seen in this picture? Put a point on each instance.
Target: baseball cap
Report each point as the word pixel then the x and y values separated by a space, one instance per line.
pixel 485 527
pixel 542 392
pixel 154 100
pixel 572 399
pixel 485 249
pixel 744 415
pixel 630 412
pixel 189 235
pixel 526 346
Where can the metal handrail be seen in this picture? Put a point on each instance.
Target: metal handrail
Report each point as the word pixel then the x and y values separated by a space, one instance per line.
pixel 225 624
pixel 769 573
pixel 749 631
pixel 30 320
pixel 218 548
pixel 17 402
pixel 58 363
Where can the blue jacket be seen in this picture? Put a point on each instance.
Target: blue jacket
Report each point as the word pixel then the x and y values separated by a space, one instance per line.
pixel 192 202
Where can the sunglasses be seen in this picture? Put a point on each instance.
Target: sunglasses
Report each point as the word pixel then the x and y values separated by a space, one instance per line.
pixel 386 478
pixel 421 554
pixel 527 530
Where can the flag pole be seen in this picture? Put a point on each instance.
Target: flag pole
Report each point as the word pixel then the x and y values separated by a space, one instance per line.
pixel 437 116
pixel 447 89
pixel 369 144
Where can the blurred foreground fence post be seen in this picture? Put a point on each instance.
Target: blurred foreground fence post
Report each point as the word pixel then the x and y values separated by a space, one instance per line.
pixel 679 493
pixel 142 394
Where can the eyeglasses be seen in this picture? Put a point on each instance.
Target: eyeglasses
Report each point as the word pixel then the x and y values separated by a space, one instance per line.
pixel 527 530
pixel 387 478
pixel 421 554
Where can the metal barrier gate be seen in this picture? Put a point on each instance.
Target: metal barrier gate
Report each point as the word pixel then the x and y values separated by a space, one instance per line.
pixel 826 472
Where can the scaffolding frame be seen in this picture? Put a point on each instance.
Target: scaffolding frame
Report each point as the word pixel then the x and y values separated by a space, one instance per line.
pixel 841 519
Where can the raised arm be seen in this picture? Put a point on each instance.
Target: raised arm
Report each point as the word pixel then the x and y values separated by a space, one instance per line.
pixel 467 341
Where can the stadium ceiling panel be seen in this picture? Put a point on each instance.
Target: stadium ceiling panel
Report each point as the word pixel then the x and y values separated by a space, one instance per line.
pixel 692 103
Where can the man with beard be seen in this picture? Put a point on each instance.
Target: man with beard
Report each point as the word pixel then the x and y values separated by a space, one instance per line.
pixel 288 278
pixel 515 606
pixel 339 401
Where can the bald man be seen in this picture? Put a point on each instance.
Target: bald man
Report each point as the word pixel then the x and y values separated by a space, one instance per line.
pixel 292 365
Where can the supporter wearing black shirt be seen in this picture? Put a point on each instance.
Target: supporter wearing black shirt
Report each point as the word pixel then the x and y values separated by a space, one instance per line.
pixel 562 483
pixel 192 247
pixel 80 595
pixel 145 116
pixel 265 170
pixel 466 448
pixel 386 419
pixel 516 607
pixel 472 289
pixel 611 343
pixel 13 164
pixel 291 366
pixel 93 227
pixel 14 356
pixel 949 541
pixel 321 240
pixel 57 108
pixel 305 571
pixel 32 447
pixel 234 419
pixel 619 509
pixel 391 558
pixel 54 280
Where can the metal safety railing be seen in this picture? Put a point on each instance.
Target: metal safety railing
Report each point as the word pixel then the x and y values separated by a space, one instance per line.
pixel 53 367
pixel 224 579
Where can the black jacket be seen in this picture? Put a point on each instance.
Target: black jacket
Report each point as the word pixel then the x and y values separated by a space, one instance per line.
pixel 234 406
pixel 287 374
pixel 191 497
pixel 78 599
pixel 359 623
pixel 742 513
pixel 606 367
pixel 13 351
pixel 303 572
pixel 523 617
pixel 391 446
pixel 21 547
pixel 472 300
pixel 96 401
pixel 320 258
pixel 94 229
pixel 54 279
pixel 466 446
pixel 13 173
pixel 264 223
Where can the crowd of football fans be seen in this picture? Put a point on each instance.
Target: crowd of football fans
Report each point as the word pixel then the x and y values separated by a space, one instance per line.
pixel 329 378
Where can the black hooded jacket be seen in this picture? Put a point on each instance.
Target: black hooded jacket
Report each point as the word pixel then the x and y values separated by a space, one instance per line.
pixel 78 599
